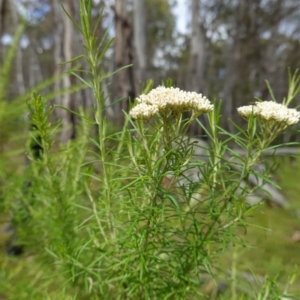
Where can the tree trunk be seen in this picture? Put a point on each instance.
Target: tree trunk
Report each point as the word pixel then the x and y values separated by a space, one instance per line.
pixel 63 52
pixel 123 55
pixel 197 50
pixel 67 99
pixel 139 43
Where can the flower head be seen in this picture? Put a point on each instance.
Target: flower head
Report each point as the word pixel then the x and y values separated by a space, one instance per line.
pixel 270 111
pixel 143 111
pixel 165 100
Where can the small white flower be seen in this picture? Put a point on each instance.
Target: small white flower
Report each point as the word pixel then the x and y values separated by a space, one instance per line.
pixel 165 100
pixel 247 111
pixel 270 111
pixel 143 111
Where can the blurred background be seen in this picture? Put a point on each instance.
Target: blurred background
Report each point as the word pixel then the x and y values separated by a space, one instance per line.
pixel 225 49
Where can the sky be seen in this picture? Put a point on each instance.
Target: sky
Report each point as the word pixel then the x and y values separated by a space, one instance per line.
pixel 181 13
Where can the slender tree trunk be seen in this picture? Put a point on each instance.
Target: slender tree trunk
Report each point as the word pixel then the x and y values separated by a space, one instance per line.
pixel 58 53
pixel 63 52
pixel 197 50
pixel 139 42
pixel 67 99
pixel 124 87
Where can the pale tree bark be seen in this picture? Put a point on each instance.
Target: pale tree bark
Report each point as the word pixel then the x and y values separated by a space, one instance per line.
pixel 68 118
pixel 63 52
pixel 197 49
pixel 58 53
pixel 124 86
pixel 139 42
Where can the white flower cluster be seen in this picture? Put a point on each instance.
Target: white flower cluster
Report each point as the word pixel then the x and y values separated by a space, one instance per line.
pixel 270 111
pixel 165 100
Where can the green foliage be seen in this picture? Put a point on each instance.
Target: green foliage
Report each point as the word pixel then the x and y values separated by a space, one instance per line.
pixel 13 121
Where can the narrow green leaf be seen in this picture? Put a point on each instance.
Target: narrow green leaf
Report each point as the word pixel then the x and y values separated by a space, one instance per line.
pixel 90 121
pixel 72 60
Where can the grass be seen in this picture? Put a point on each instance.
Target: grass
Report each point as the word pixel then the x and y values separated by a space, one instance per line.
pixel 272 251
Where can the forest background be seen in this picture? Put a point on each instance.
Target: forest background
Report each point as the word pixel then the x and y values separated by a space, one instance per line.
pixel 226 50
